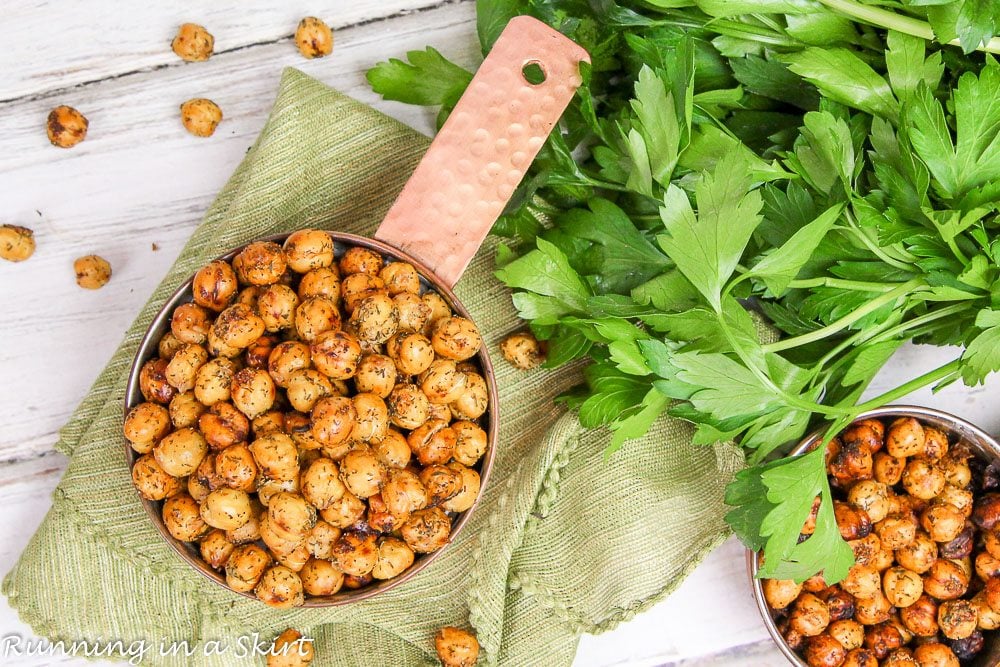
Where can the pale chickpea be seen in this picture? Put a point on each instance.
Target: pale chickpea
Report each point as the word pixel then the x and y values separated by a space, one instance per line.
pixel 253 391
pixel 394 558
pixel 372 423
pixel 169 345
pixel 467 493
pixel 306 387
pixel 376 374
pixel 393 450
pixel 905 437
pixel 185 410
pixel 145 425
pixel 321 539
pixel 362 473
pixel 314 316
pixel 323 281
pixel 848 632
pixel 180 452
pixel 918 555
pixel 442 382
pixel 321 484
pixel 942 521
pixel 902 587
pixel 871 496
pixel 356 287
pixel 276 457
pixel 438 308
pixel 290 516
pixel 862 581
pixel 922 479
pixel 152 481
pixel 956 471
pixel 474 399
pixel 226 508
pixel 308 249
pixel 182 369
pixel 887 468
pixel 320 577
pixel 407 406
pixel 470 442
pixel 413 312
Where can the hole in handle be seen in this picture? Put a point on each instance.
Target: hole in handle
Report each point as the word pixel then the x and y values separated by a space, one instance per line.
pixel 533 73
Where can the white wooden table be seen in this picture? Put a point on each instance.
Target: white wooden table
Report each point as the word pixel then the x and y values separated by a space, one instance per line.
pixel 137 187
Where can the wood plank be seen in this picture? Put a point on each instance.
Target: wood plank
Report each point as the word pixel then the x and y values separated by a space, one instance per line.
pixel 54 45
pixel 140 179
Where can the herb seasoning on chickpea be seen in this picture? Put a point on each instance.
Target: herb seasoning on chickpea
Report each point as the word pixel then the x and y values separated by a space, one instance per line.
pixel 309 438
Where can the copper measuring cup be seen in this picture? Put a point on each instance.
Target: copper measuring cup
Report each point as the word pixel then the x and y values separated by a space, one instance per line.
pixel 439 220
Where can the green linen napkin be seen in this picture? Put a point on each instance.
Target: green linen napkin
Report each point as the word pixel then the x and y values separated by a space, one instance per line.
pixel 562 543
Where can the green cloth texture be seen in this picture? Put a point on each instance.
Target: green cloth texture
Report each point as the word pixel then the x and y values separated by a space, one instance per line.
pixel 563 541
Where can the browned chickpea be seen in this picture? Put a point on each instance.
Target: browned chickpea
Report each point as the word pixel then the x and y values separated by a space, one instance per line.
pixel 320 577
pixel 215 285
pixel 847 463
pixel 356 287
pixel 935 655
pixel 441 482
pixel 291 649
pixel 432 442
pixel 946 580
pixel 290 516
pixel 152 481
pixel 456 647
pixel 66 126
pixel 956 470
pixel 872 611
pixel 277 305
pixel 182 369
pixel 392 450
pixel 190 323
pixel 810 616
pixel 181 518
pixel 372 422
pixel 882 639
pixel 153 381
pixel 16 243
pixel 92 271
pixel 442 382
pixel 905 437
pixel 918 555
pixel 470 442
pixel 238 326
pixel 469 491
pixel 888 469
pixel 185 410
pixel 920 618
pixel 180 452
pixel 523 350
pixel 862 581
pixel 277 542
pixel 992 593
pixel 333 419
pixel 853 522
pixel 280 587
pixel 839 602
pixel 314 38
pixel 323 281
pixel 413 312
pixel 193 43
pixel 262 263
pixel 957 619
pixel 276 456
pixel 376 374
pixel 814 584
pixel 145 425
pixel 219 349
pixel 795 640
pixel 986 511
pixel 987 565
pixel 427 530
pixel 345 512
pixel 215 549
pixel 901 657
pixel 360 260
pixel 375 318
pixel 356 553
pixel 403 493
pixel 226 508
pixel 942 521
pixel 456 338
pixel 961 499
pixel 379 518
pixel 168 346
pixel 223 425
pixel 245 567
pixel 253 392
pixel 285 359
pixel 336 354
pixel 860 657
pixel 362 473
pixel 407 406
pixel 308 249
pixel 989 619
pixel 922 479
pixel 236 467
pixel 935 444
pixel 314 316
pixel 902 587
pixel 321 484
pixel 200 116
pixel 299 427
pixel 897 530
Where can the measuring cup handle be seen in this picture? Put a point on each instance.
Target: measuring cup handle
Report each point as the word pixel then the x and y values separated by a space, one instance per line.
pixel 482 152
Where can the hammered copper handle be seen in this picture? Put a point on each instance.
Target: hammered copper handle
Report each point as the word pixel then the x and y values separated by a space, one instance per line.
pixel 482 152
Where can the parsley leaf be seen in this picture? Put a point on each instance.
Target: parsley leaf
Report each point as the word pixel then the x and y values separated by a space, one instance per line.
pixel 428 79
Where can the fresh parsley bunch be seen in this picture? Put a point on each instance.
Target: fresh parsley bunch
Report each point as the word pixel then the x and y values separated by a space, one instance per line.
pixel 828 167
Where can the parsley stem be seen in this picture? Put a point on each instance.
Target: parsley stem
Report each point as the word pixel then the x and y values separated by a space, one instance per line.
pixel 840 283
pixel 939 373
pixel 882 18
pixel 846 320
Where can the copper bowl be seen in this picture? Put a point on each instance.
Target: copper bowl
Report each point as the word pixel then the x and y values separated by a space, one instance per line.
pixel 978 440
pixel 148 349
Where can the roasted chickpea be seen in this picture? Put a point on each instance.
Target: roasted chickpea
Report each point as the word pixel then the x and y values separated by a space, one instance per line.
pixel 353 583
pixel 441 482
pixel 432 442
pixel 356 287
pixel 152 481
pixel 345 512
pixel 92 271
pixel 456 647
pixel 238 326
pixel 185 410
pixel 470 442
pixel 272 421
pixel 922 479
pixel 438 308
pixel 858 657
pixel 308 249
pixel 277 305
pixel 181 518
pixel 992 593
pixel 849 633
pixel 321 484
pixel 215 549
pixel 320 577
pixel 442 382
pixel 218 349
pixel 362 473
pixel 862 581
pixel 946 580
pixel 153 381
pixel 852 521
pixel 888 469
pixel 427 530
pixel 935 655
pixel 16 243
pixel 290 516
pixel 356 553
pixel 285 359
pixel 407 406
pixel 882 639
pixel 236 467
pixel 810 616
pixel 276 456
pixel 360 260
pixel 905 437
pixel 413 312
pixel 262 263
pixel 336 354
pixel 372 422
pixel 280 587
pixel 145 425
pixel 957 619
pixel 848 462
pixel 469 491
pixel 456 338
pixel 253 392
pixel 333 419
pixel 223 425
pixel 918 555
pixel 226 508
pixel 313 37
pixel 394 558
pixel 182 369
pixel 935 444
pixel 200 116
pixel 901 657
pixel 986 511
pixel 306 387
pixel 321 539
pixel 375 319
pixel 943 522
pixel 250 531
pixel 872 611
pixel 897 530
pixel 324 282
pixel 214 285
pixel 474 400
pixel 169 345
pixel 987 565
pixel 988 618
pixel 902 587
pixel 814 584
pixel 376 374
pixel 956 471
pixel 66 126
pixel 403 493
pixel 291 649
pixel 920 618
pixel 523 350
pixel 872 497
pixel 969 647
pixel 193 43
pixel 180 452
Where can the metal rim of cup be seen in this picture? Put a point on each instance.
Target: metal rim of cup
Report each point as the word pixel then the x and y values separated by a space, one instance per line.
pixel 148 348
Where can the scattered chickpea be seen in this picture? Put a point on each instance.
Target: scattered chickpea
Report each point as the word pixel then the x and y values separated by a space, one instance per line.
pixel 456 647
pixel 66 126
pixel 291 649
pixel 193 43
pixel 92 272
pixel 16 243
pixel 523 350
pixel 314 37
pixel 201 116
